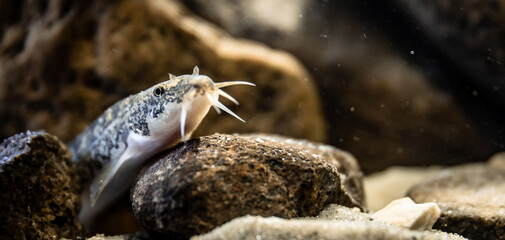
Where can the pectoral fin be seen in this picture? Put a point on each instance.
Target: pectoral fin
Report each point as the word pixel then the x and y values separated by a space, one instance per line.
pixel 105 176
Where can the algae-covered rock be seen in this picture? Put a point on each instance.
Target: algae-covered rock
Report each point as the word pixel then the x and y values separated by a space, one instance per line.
pixel 39 197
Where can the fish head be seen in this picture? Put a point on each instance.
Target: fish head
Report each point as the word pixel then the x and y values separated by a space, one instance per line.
pixel 182 102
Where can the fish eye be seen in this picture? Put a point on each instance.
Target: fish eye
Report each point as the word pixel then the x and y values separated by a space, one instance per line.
pixel 158 91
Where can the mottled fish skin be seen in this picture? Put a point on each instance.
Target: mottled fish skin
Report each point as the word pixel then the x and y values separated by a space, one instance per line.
pixel 136 128
pixel 106 137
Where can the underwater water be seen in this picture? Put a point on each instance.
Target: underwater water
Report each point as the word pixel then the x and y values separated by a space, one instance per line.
pixel 354 104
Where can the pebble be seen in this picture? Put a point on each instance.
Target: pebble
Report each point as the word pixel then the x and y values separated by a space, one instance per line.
pixel 406 213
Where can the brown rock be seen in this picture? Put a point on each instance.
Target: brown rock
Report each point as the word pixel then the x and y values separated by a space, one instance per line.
pixel 392 115
pixel 471 197
pixel 39 197
pixel 210 180
pixel 63 63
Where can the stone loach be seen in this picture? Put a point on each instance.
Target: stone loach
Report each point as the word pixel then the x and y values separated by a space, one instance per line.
pixel 39 197
pixel 471 198
pixel 208 181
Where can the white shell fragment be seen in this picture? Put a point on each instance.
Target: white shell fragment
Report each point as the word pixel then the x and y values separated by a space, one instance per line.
pixel 406 213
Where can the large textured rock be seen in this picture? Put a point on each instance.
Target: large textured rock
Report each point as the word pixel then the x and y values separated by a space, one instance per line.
pixel 208 181
pixel 39 194
pixel 64 62
pixel 471 197
pixel 382 107
pixel 343 224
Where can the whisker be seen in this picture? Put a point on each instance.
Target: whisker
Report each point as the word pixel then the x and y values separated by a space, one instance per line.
pixel 231 83
pixel 224 108
pixel 184 114
pixel 226 95
pixel 213 102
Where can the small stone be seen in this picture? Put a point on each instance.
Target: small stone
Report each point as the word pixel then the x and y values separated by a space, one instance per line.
pixel 208 181
pixel 39 197
pixel 471 198
pixel 256 227
pixel 497 161
pixel 136 236
pixel 406 213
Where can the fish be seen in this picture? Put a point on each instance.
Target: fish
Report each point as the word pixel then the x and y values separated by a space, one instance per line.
pixel 130 132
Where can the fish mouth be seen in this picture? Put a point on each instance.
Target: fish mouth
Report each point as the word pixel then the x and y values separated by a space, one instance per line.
pixel 213 99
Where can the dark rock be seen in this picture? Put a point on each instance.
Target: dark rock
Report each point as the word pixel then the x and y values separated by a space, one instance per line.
pixel 336 223
pixel 66 62
pixel 471 198
pixel 39 197
pixel 382 107
pixel 208 181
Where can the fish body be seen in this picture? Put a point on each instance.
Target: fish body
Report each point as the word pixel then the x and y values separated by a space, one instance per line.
pixel 126 135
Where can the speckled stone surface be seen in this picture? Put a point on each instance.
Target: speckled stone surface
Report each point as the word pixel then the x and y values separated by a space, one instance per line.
pixel 471 197
pixel 38 197
pixel 208 181
pixel 348 225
